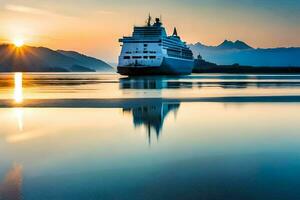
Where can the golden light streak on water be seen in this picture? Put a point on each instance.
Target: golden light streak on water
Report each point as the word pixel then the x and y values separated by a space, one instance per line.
pixel 18 90
pixel 19 115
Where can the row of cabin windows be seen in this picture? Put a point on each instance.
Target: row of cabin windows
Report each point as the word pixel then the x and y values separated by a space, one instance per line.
pixel 129 52
pixel 183 53
pixel 140 57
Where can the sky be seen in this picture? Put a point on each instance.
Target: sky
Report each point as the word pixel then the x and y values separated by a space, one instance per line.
pixel 93 27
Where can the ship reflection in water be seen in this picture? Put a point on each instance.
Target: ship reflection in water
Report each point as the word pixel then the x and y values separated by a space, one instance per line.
pixel 151 116
pixel 142 83
pixel 154 83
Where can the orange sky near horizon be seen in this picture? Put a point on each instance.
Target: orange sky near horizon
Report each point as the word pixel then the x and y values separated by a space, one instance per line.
pixel 94 28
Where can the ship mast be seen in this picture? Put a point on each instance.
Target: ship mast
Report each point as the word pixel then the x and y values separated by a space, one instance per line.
pixel 175 32
pixel 149 20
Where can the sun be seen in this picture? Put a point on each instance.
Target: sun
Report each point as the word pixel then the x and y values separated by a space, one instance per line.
pixel 18 42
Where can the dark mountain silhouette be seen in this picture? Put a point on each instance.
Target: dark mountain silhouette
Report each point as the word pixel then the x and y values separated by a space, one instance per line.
pixel 234 45
pixel 226 45
pixel 41 59
pixel 93 63
pixel 229 53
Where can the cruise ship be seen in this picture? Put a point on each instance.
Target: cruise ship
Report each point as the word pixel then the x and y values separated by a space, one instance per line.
pixel 150 51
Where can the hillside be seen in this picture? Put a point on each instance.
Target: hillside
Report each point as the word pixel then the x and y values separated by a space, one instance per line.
pixel 93 63
pixel 229 53
pixel 41 59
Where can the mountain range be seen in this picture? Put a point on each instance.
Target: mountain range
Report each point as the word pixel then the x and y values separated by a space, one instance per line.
pixel 41 59
pixel 238 52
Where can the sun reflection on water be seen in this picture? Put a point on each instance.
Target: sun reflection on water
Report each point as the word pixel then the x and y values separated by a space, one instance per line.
pixel 18 90
pixel 19 115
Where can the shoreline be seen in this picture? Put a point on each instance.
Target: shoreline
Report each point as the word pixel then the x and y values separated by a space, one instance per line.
pixel 237 69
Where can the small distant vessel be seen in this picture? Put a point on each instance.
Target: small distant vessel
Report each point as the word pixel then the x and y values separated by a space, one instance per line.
pixel 150 51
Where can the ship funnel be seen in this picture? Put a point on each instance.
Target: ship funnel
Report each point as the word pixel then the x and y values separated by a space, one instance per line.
pixel 157 22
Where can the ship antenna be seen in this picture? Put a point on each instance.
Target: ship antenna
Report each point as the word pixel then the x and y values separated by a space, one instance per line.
pixel 175 32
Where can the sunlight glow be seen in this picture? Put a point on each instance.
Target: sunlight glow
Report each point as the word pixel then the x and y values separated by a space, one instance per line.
pixel 18 90
pixel 18 42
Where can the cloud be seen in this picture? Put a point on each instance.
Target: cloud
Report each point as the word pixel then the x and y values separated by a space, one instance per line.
pixel 31 10
pixel 37 11
pixel 25 9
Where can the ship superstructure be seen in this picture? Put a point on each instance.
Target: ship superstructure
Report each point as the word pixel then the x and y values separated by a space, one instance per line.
pixel 150 51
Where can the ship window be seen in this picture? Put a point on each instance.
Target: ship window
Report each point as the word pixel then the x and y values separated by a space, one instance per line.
pixel 152 57
pixel 145 57
pixel 145 52
pixel 145 45
pixel 152 52
pixel 126 57
pixel 136 57
pixel 128 52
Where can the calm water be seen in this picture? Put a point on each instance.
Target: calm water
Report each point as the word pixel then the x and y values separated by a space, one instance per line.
pixel 93 136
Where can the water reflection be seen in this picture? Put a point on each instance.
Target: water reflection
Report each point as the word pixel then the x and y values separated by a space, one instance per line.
pixel 19 116
pixel 139 83
pixel 152 116
pixel 256 141
pixel 18 90
pixel 224 82
pixel 99 86
pixel 154 83
pixel 11 186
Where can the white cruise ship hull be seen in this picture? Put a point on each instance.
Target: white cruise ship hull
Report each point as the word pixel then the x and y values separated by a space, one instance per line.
pixel 150 51
pixel 169 66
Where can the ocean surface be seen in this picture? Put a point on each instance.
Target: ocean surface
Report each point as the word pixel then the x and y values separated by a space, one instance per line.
pixel 103 136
